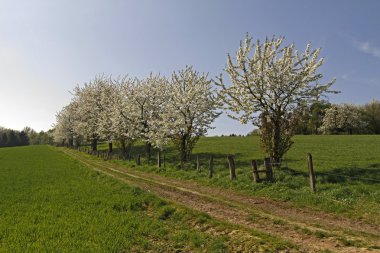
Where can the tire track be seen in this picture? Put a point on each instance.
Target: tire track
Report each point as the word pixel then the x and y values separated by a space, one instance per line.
pixel 240 210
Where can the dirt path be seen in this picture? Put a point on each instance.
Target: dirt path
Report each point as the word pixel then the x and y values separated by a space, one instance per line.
pixel 312 231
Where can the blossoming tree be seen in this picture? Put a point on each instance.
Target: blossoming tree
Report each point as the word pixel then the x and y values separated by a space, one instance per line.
pixel 106 90
pixel 140 106
pixel 64 127
pixel 89 109
pixel 190 109
pixel 269 86
pixel 342 118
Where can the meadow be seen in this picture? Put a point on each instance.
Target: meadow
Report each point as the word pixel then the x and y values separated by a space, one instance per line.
pixel 347 170
pixel 52 203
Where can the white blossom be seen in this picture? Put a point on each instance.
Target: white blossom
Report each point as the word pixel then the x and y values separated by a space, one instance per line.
pixel 65 125
pixel 269 84
pixel 90 108
pixel 190 108
pixel 342 118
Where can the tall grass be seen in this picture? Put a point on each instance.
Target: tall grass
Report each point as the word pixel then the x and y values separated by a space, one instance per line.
pixel 347 170
pixel 50 203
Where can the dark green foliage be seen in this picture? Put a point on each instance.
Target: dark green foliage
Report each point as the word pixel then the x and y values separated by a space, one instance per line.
pixel 371 116
pixel 39 138
pixel 310 120
pixel 12 138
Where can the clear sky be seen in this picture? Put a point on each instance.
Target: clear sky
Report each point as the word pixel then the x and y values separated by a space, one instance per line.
pixel 48 47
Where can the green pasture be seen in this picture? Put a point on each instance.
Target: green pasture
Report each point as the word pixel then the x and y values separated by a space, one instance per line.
pixel 52 203
pixel 347 170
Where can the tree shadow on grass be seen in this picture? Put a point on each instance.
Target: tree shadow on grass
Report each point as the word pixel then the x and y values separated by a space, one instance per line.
pixel 292 172
pixel 240 159
pixel 220 159
pixel 369 175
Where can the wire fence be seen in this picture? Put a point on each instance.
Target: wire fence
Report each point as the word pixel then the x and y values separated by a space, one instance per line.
pixel 274 167
pixel 351 177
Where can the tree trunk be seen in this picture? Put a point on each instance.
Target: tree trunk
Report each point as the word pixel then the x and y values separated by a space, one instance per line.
pixel 148 146
pixel 75 143
pixel 182 155
pixel 94 144
pixel 276 156
pixel 123 147
pixel 71 142
pixel 110 147
pixel 159 158
pixel 126 148
pixel 268 168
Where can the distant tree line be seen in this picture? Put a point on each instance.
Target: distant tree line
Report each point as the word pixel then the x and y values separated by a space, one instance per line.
pixel 325 118
pixel 28 136
pixel 11 138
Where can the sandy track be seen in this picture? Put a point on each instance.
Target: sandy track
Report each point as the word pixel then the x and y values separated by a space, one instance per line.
pixel 300 226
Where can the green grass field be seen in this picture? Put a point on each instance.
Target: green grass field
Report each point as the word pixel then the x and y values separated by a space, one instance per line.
pixel 347 170
pixel 52 203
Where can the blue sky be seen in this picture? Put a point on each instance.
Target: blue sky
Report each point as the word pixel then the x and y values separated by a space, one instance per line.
pixel 48 47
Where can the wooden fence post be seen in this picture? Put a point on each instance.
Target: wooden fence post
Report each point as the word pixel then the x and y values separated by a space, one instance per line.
pixel 159 159
pixel 138 161
pixel 211 166
pixel 198 164
pixel 231 164
pixel 311 171
pixel 268 168
pixel 255 173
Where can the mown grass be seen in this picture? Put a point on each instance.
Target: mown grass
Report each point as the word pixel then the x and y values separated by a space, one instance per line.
pixel 347 170
pixel 51 203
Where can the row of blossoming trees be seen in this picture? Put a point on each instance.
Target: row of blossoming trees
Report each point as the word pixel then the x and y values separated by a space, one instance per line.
pixel 270 85
pixel 155 110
